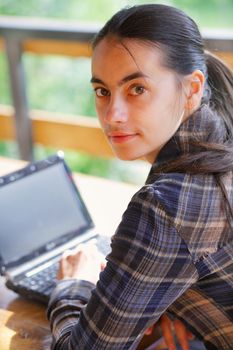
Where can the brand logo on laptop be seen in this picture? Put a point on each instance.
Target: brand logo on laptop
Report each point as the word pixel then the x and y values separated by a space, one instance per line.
pixel 50 246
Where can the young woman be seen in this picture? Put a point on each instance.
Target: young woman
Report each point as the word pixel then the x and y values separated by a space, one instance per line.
pixel 161 97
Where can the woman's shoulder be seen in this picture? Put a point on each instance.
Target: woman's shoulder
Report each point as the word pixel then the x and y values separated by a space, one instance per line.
pixel 177 192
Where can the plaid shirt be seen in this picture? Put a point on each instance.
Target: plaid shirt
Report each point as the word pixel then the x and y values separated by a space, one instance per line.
pixel 173 251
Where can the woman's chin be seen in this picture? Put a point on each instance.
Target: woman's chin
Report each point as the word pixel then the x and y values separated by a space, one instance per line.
pixel 127 157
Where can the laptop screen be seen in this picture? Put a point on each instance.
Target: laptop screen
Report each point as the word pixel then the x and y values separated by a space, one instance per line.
pixel 39 209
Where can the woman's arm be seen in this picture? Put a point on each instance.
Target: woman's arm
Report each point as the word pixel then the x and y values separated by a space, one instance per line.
pixel 149 267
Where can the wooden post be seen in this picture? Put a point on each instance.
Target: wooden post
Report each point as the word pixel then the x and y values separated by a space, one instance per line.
pixel 18 88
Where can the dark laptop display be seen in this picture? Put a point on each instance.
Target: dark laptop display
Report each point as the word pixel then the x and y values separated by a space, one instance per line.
pixel 42 214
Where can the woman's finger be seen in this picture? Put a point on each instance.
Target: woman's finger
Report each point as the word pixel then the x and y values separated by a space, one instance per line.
pixel 166 326
pixel 66 265
pixel 181 334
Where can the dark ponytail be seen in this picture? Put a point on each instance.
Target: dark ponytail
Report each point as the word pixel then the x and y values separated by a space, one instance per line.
pixel 220 82
pixel 214 156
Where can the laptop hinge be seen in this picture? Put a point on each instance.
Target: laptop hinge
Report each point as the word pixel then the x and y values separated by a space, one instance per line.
pixel 57 252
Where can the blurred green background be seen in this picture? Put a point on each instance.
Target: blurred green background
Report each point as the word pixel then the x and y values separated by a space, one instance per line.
pixel 70 90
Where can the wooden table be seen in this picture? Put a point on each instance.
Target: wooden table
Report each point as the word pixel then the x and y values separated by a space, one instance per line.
pixel 23 323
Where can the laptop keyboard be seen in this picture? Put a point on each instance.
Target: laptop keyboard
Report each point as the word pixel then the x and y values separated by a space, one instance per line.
pixel 45 280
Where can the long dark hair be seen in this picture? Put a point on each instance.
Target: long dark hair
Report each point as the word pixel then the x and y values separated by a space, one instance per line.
pixel 179 38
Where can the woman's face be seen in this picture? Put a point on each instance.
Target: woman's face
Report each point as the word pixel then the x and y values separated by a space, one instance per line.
pixel 138 101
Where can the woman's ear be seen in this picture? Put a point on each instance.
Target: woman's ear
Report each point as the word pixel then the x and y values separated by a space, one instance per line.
pixel 194 90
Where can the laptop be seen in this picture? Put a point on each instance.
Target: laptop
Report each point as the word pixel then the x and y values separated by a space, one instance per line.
pixel 42 214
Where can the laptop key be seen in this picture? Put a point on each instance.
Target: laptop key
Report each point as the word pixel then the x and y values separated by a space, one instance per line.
pixel 42 280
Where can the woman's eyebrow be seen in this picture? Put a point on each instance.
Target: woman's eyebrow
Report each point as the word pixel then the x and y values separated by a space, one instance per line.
pixel 129 77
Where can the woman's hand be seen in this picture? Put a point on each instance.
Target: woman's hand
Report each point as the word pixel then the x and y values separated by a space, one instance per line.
pixel 85 263
pixel 169 329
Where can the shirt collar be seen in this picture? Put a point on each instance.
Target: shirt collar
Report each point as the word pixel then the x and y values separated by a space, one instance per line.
pixel 199 126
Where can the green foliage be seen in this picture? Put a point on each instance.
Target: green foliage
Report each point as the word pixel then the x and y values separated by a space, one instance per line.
pixel 207 13
pixel 9 149
pixel 5 97
pixel 69 91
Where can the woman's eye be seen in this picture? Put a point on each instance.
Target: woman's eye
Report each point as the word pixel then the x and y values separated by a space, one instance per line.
pixel 101 92
pixel 137 90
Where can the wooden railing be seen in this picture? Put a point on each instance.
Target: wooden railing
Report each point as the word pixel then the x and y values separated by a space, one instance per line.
pixel 60 131
pixel 19 35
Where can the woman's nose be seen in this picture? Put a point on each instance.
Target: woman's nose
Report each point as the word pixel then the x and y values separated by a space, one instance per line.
pixel 116 111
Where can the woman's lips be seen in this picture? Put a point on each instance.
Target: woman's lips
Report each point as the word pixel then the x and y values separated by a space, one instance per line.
pixel 121 138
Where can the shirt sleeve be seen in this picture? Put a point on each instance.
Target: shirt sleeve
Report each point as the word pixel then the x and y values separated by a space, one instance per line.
pixel 148 268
